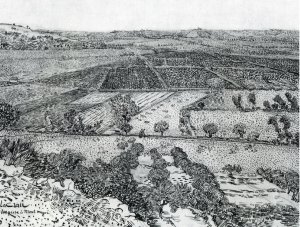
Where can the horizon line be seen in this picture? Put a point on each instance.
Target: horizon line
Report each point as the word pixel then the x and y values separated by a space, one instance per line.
pixel 37 27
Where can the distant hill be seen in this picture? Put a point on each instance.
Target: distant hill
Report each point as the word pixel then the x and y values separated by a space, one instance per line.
pixel 24 38
pixel 18 37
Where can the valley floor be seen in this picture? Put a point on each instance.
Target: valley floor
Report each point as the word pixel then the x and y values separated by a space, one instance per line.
pixel 214 154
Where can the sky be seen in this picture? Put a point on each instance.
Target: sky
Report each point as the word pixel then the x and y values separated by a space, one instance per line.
pixel 108 15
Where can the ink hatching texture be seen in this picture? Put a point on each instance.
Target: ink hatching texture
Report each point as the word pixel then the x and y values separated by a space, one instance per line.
pixel 144 128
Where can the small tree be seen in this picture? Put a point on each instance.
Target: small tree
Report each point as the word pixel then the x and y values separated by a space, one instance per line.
pixel 294 104
pixel 210 129
pixel 273 121
pixel 8 115
pixel 126 127
pixel 142 133
pixel 288 96
pixel 267 105
pixel 239 129
pixel 237 101
pixel 286 122
pixel 295 140
pixel 74 123
pixel 70 116
pixel 293 101
pixel 252 99
pixel 288 136
pixel 123 108
pixel 161 127
pixel 122 145
pixel 275 106
pixel 280 102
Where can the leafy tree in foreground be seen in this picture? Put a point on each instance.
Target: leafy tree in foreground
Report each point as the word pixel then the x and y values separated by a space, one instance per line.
pixel 206 196
pixel 16 152
pixel 161 127
pixel 210 129
pixel 155 154
pixel 161 193
pixel 239 129
pixel 8 115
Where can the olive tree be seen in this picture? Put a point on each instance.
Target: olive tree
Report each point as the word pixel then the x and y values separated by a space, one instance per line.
pixel 161 127
pixel 239 129
pixel 210 129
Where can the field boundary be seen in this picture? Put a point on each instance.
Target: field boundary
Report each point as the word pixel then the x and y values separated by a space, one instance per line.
pixel 198 138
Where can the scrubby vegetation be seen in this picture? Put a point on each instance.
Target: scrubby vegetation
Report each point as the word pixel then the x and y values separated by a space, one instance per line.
pixel 243 105
pixel 279 104
pixel 282 127
pixel 287 180
pixel 114 179
pixel 230 169
pixel 8 115
pixel 70 122
pixel 124 108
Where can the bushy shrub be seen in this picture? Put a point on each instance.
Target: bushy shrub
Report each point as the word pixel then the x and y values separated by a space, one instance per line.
pixel 252 99
pixel 101 179
pixel 293 101
pixel 267 105
pixel 230 169
pixel 237 101
pixel 122 145
pixel 17 152
pixel 8 115
pixel 282 104
pixel 239 129
pixel 155 154
pixel 287 180
pixel 124 108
